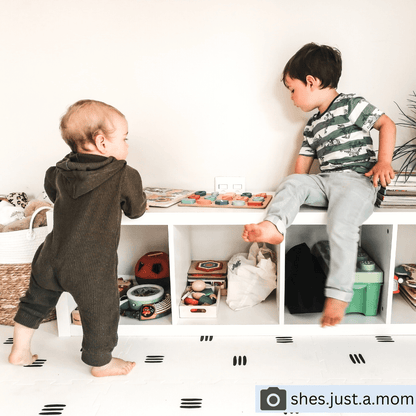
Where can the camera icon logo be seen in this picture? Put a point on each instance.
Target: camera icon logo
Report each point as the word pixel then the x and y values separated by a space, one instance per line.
pixel 273 399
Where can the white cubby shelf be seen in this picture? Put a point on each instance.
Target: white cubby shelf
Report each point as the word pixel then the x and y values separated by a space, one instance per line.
pixel 190 233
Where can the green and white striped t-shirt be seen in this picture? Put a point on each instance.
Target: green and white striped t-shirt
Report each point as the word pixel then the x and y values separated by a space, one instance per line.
pixel 340 137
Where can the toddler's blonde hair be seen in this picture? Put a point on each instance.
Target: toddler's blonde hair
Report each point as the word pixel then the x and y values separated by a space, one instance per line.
pixel 84 121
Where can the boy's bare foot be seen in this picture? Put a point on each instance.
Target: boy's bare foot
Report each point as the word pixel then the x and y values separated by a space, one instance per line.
pixel 264 232
pixel 116 367
pixel 334 311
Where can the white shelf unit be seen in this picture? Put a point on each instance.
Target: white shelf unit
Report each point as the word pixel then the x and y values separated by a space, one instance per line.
pixel 190 233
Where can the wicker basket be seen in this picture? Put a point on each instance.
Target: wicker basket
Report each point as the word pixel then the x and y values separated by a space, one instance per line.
pixel 17 249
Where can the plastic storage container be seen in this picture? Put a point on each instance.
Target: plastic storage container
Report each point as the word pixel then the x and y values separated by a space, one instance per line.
pixel 368 280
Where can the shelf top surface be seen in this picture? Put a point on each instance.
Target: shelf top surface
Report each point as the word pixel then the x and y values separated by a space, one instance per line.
pixel 178 215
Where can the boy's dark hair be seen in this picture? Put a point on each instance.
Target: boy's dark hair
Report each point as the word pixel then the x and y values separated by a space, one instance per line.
pixel 320 61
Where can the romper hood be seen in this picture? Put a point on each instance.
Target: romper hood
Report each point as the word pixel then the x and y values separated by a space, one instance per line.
pixel 83 173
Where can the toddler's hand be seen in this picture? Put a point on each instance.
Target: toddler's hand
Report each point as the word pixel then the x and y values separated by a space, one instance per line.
pixel 382 174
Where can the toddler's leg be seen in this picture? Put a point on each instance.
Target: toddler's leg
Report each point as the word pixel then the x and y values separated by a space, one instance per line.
pixel 33 308
pixel 293 192
pixel 21 353
pixel 100 322
pixel 351 202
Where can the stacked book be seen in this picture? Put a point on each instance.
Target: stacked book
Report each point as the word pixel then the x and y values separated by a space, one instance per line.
pixel 401 193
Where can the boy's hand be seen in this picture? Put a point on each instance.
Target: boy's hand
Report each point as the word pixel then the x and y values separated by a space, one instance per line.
pixel 382 174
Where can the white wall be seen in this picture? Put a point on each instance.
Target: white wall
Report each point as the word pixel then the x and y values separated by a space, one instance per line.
pixel 198 80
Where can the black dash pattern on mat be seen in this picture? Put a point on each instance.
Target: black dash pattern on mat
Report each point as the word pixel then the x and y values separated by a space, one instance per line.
pixel 239 360
pixel 154 359
pixel 9 341
pixel 191 403
pixel 206 338
pixel 284 340
pixel 52 409
pixel 357 359
pixel 37 363
pixel 384 338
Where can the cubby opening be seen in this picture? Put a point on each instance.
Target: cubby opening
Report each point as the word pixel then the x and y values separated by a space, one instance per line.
pixel 136 241
pixel 216 242
pixel 402 311
pixel 376 240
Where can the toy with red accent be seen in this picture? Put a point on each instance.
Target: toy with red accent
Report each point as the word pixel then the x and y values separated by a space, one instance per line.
pixel 212 272
pixel 227 200
pixel 153 268
pixel 199 301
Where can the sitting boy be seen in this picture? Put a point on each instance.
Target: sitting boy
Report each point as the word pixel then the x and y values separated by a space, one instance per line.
pixel 338 135
pixel 90 188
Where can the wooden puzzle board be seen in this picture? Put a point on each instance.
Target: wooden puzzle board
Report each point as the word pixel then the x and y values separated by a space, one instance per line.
pixel 165 197
pixel 212 204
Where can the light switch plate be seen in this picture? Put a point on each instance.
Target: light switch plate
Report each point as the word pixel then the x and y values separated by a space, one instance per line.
pixel 223 184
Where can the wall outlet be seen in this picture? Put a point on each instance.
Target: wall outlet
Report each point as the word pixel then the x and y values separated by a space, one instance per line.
pixel 235 184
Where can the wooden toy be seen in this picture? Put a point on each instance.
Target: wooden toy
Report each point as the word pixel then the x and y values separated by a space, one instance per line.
pixel 147 311
pixel 189 307
pixel 221 202
pixel 229 196
pixel 144 294
pixel 227 200
pixel 211 268
pixel 190 301
pixel 203 202
pixel 165 197
pixel 212 272
pixel 76 318
pixel 123 286
pixel 188 201
pixel 198 285
pixel 204 295
pixel 242 198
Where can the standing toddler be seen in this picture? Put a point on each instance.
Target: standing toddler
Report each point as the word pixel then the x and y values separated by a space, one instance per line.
pixel 90 188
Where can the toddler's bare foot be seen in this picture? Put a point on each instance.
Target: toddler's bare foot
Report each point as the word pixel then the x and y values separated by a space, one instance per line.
pixel 116 367
pixel 20 353
pixel 21 357
pixel 264 232
pixel 334 311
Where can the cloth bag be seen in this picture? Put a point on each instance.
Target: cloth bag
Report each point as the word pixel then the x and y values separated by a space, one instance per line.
pixel 251 277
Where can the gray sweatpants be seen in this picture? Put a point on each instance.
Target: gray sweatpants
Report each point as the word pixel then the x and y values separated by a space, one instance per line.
pixel 350 198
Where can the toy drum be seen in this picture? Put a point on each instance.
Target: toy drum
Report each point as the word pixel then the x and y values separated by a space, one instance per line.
pixel 144 294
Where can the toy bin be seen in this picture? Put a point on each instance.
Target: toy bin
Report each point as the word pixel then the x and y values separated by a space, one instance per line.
pixel 199 311
pixel 368 280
